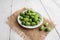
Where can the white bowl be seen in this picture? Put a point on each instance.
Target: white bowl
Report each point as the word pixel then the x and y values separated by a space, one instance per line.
pixel 30 27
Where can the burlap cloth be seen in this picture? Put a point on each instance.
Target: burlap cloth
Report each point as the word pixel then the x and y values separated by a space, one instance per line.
pixel 27 34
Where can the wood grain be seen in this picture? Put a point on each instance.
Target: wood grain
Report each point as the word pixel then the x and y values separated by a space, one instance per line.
pixel 28 34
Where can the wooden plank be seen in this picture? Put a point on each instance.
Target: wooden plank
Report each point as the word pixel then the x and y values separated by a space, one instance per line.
pixel 5 11
pixel 58 24
pixel 17 4
pixel 57 2
pixel 53 11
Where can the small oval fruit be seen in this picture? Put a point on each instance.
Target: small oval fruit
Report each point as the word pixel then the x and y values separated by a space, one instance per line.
pixel 41 27
pixel 46 24
pixel 26 16
pixel 37 22
pixel 26 19
pixel 21 18
pixel 30 20
pixel 33 23
pixel 27 23
pixel 23 22
pixel 48 29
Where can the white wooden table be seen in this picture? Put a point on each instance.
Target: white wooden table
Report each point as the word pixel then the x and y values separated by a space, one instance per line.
pixel 48 8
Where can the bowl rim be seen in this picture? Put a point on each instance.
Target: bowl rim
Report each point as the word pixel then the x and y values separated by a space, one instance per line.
pixel 30 27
